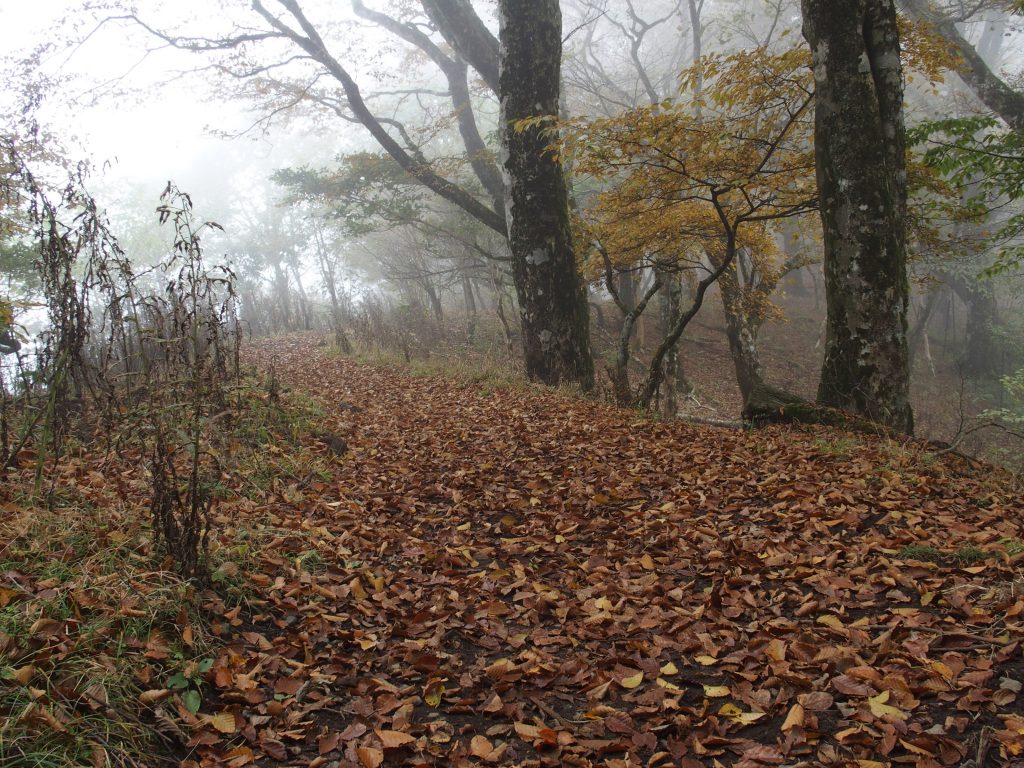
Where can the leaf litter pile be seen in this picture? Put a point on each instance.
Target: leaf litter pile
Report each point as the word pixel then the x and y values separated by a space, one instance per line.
pixel 520 578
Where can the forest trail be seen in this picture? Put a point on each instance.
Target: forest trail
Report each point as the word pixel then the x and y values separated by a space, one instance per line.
pixel 517 577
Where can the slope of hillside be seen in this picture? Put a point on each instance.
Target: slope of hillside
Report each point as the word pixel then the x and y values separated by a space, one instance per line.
pixel 513 577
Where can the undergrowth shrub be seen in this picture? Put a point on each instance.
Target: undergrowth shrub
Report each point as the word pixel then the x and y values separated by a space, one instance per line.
pixel 146 362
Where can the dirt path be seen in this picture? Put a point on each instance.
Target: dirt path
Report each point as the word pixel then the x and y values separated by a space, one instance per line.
pixel 519 578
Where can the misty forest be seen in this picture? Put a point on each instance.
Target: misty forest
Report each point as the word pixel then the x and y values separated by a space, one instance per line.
pixel 627 383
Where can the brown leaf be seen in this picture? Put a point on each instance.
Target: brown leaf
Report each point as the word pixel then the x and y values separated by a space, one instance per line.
pixel 794 719
pixel 851 687
pixel 370 757
pixel 151 697
pixel 394 739
pixel 329 742
pixel 480 747
pixel 816 701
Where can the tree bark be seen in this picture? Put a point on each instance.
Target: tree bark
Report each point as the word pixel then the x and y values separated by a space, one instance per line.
pixel 981 347
pixel 862 184
pixel 742 336
pixel 463 30
pixel 470 301
pixel 552 301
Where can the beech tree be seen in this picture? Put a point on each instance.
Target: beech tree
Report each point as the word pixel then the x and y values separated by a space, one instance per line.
pixel 553 306
pixel 701 191
pixel 862 186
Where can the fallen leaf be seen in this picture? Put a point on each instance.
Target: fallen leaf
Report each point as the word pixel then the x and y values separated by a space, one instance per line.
pixel 370 757
pixel 394 739
pixel 716 691
pixel 880 709
pixel 480 746
pixel 632 681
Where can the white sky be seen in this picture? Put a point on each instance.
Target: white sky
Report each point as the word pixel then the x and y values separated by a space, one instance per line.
pixel 162 135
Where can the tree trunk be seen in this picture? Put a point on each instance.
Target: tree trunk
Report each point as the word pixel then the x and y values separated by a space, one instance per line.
pixel 435 301
pixel 307 321
pixel 470 300
pixel 742 335
pixel 918 336
pixel 328 274
pixel 281 289
pixel 981 346
pixel 670 308
pixel 862 183
pixel 552 301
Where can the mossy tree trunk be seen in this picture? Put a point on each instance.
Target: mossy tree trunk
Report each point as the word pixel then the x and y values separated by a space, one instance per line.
pixel 552 301
pixel 862 184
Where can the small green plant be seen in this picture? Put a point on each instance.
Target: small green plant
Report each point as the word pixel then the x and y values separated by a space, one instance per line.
pixel 970 554
pixel 1014 547
pixel 841 446
pixel 311 561
pixel 188 681
pixel 923 552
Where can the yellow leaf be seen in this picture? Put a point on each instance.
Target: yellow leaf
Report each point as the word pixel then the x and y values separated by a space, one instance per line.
pixel 432 696
pixel 880 709
pixel 737 715
pixel 357 589
pixel 707 661
pixel 716 691
pixel 153 696
pixel 795 718
pixel 222 721
pixel 668 686
pixel 670 669
pixel 632 681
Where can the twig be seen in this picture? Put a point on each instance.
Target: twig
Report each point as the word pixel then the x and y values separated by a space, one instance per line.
pixel 552 714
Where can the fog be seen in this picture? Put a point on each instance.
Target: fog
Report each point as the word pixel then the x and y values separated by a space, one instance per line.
pixel 327 234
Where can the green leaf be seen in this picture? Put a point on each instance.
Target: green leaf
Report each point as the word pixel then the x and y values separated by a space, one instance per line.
pixel 192 700
pixel 178 682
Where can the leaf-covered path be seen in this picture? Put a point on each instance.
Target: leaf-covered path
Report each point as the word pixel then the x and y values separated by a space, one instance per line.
pixel 515 577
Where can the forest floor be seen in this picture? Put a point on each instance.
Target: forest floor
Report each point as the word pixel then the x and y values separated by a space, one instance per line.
pixel 458 574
